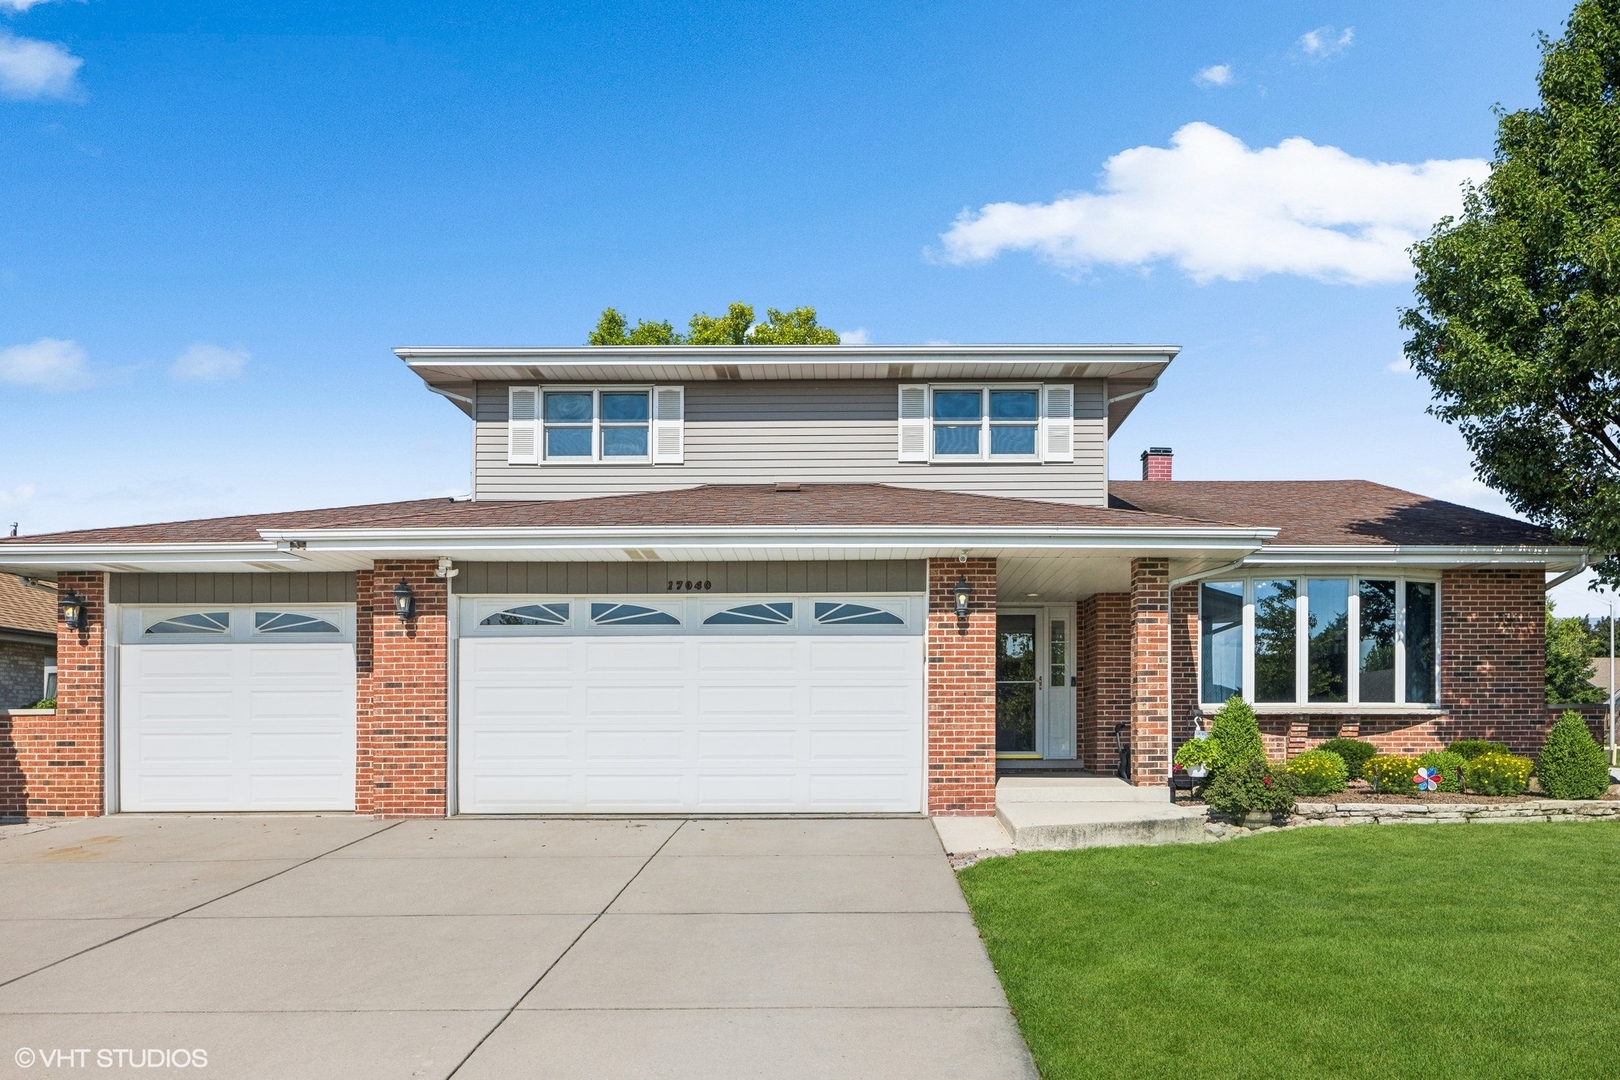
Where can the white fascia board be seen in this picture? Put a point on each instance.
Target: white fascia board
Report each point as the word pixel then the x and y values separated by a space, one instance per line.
pixel 121 556
pixel 1447 555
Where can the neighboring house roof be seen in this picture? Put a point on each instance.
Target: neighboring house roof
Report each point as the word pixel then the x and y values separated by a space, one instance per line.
pixel 710 505
pixel 29 609
pixel 1328 512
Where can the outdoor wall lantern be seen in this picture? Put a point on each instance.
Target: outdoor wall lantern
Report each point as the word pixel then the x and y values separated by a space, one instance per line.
pixel 404 601
pixel 963 591
pixel 73 611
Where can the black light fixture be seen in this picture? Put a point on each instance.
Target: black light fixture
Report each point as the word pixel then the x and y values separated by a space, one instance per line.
pixel 963 591
pixel 404 601
pixel 73 614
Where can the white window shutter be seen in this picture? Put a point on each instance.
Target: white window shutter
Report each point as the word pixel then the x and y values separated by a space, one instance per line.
pixel 914 422
pixel 1057 422
pixel 522 425
pixel 668 426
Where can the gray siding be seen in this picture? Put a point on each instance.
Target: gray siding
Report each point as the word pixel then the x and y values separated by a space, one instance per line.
pixel 232 589
pixel 813 432
pixel 637 578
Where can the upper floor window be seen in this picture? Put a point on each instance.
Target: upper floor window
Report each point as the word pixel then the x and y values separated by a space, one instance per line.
pixel 1319 640
pixel 574 424
pixel 957 423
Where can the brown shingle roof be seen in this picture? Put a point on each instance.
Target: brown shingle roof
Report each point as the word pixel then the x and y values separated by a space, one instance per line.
pixel 1329 512
pixel 26 607
pixel 716 504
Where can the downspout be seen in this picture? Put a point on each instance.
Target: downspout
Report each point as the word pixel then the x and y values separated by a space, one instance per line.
pixel 472 414
pixel 1565 576
pixel 1127 395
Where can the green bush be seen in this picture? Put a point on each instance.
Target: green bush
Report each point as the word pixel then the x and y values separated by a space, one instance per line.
pixel 1318 772
pixel 1572 764
pixel 44 703
pixel 1250 786
pixel 1234 737
pixel 1450 766
pixel 1498 774
pixel 1354 752
pixel 1472 748
pixel 1391 774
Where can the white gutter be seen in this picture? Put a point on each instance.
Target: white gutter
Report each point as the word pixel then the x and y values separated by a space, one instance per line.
pixel 744 354
pixel 1414 555
pixel 1138 392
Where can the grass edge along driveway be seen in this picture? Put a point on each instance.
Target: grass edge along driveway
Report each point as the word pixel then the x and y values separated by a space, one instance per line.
pixel 1367 951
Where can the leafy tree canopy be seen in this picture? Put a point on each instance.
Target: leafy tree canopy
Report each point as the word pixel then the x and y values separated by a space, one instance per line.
pixel 1517 321
pixel 1570 649
pixel 735 327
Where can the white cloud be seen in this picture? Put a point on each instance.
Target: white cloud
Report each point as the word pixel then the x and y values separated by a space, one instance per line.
pixel 21 495
pixel 36 69
pixel 1218 210
pixel 1402 366
pixel 49 364
pixel 209 363
pixel 1216 75
pixel 1325 41
pixel 20 5
pixel 858 336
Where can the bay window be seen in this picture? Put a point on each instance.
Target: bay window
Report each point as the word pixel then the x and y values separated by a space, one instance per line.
pixel 1333 640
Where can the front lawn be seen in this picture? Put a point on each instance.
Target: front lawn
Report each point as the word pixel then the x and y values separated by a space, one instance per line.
pixel 1432 950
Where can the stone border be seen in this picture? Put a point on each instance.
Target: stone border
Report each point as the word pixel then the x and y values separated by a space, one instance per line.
pixel 1318 813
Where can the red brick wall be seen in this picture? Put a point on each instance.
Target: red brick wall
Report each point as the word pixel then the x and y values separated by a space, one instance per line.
pixel 1103 660
pixel 1492 679
pixel 51 766
pixel 1150 671
pixel 402 719
pixel 1183 661
pixel 961 690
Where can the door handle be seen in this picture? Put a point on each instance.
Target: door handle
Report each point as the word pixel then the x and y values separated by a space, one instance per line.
pixel 1040 682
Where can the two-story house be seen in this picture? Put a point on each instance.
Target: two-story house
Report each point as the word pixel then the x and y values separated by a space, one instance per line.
pixel 767 579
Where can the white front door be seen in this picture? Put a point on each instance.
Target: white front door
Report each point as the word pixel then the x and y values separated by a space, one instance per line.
pixel 234 708
pixel 714 705
pixel 1035 707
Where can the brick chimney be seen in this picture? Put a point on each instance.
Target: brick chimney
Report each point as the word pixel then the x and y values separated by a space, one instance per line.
pixel 1156 463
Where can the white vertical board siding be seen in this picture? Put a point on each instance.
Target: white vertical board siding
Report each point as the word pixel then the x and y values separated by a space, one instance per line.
pixel 223 727
pixel 691 724
pixel 813 432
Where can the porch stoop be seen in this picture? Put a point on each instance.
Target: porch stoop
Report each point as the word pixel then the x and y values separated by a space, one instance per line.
pixel 1057 813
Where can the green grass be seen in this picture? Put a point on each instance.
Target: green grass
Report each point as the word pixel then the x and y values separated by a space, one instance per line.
pixel 1369 951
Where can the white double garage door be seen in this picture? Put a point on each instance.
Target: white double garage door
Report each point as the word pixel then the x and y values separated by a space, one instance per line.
pixel 564 705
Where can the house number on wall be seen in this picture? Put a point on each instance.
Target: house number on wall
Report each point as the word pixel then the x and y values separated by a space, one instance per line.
pixel 688 586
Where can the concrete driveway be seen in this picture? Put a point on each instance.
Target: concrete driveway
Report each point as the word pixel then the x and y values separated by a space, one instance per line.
pixel 343 947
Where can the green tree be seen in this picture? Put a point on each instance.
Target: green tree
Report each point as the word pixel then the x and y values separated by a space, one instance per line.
pixel 735 327
pixel 1569 661
pixel 1517 321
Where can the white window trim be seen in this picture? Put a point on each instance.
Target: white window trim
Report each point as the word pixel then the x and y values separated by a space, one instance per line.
pixel 1040 423
pixel 1300 704
pixel 692 610
pixel 596 390
pixel 135 620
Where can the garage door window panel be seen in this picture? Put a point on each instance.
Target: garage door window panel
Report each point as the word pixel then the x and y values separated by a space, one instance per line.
pixel 844 613
pixel 292 622
pixel 192 622
pixel 620 614
pixel 529 615
pixel 768 614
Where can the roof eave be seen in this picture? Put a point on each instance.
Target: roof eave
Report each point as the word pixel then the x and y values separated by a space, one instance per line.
pixel 1552 557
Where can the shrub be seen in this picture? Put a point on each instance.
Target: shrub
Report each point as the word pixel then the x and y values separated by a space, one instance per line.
pixel 1249 786
pixel 1449 765
pixel 1572 764
pixel 44 703
pixel 1354 752
pixel 1498 774
pixel 1391 774
pixel 1318 772
pixel 1472 748
pixel 1234 737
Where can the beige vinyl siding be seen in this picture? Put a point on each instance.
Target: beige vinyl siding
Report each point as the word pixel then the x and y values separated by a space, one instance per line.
pixel 323 588
pixel 642 578
pixel 811 432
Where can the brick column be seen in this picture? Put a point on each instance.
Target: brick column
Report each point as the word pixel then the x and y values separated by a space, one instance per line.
pixel 1493 655
pixel 961 705
pixel 401 715
pixel 1150 671
pixel 1103 663
pixel 1184 687
pixel 51 765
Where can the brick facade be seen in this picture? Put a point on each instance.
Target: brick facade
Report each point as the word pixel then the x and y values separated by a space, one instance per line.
pixel 51 764
pixel 402 718
pixel 1103 664
pixel 1150 671
pixel 961 707
pixel 1492 676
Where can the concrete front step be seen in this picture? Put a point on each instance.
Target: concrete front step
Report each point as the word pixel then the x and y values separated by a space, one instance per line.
pixel 1069 789
pixel 1057 826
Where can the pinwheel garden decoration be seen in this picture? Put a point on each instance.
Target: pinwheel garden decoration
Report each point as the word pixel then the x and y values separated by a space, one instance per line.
pixel 1426 779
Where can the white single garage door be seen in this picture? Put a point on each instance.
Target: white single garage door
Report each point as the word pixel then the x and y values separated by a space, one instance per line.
pixel 705 705
pixel 236 708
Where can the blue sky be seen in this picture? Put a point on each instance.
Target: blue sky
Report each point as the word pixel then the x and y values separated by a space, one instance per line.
pixel 217 223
